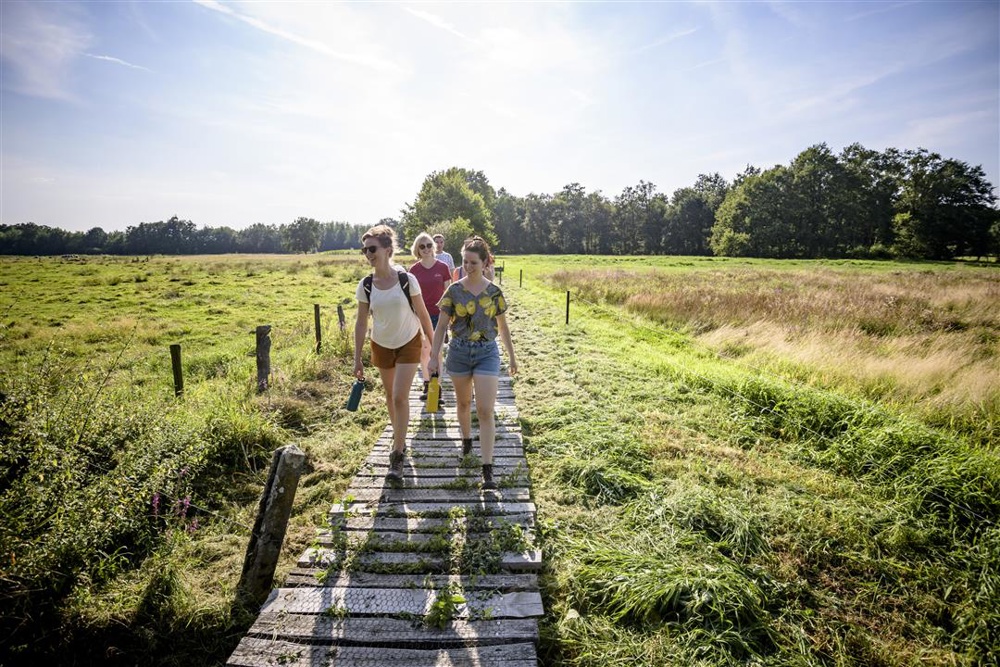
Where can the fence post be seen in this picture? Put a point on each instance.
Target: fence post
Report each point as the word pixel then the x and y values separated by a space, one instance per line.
pixel 520 276
pixel 340 317
pixel 269 528
pixel 319 330
pixel 175 362
pixel 263 356
pixel 567 306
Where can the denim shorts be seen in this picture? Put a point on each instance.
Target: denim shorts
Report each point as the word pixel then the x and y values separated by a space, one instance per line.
pixel 467 358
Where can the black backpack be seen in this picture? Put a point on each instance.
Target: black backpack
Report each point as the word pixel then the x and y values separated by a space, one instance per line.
pixel 404 282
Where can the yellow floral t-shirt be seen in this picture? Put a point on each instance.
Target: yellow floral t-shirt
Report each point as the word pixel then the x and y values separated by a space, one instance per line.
pixel 472 317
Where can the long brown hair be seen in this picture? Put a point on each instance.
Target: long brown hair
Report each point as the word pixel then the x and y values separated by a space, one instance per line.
pixel 479 246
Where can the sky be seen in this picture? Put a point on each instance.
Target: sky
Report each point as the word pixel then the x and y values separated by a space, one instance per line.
pixel 115 113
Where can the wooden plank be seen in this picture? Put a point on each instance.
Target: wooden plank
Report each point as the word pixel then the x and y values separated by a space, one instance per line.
pixel 407 601
pixel 437 468
pixel 257 652
pixel 424 525
pixel 521 581
pixel 487 506
pixel 390 495
pixel 402 541
pixel 429 436
pixel 427 562
pixel 469 479
pixel 355 631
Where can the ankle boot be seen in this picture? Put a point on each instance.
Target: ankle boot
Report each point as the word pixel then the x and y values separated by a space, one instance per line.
pixel 395 473
pixel 423 392
pixel 466 446
pixel 488 482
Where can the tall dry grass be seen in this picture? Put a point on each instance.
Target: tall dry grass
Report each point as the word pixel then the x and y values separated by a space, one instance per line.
pixel 926 340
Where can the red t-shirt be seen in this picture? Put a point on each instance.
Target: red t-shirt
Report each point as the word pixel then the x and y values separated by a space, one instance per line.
pixel 432 282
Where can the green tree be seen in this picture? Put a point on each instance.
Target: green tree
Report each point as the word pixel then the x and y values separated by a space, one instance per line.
pixel 303 235
pixel 450 194
pixel 753 222
pixel 539 219
pixel 569 219
pixel 259 238
pixel 945 208
pixel 639 220
pixel 875 184
pixel 598 213
pixel 508 222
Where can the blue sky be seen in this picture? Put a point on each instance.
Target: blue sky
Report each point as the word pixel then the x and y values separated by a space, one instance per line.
pixel 231 113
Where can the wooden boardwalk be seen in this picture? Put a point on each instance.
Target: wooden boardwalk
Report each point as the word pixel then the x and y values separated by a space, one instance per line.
pixel 433 572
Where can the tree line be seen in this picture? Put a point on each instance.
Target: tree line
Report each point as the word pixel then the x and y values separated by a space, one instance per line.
pixel 858 204
pixel 179 237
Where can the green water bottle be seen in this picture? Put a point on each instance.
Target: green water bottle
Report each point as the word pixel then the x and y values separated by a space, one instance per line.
pixel 355 400
pixel 433 393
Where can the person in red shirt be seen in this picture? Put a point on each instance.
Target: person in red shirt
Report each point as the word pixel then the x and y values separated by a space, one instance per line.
pixel 434 277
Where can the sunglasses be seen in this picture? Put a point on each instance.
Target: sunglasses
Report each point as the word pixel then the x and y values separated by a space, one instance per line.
pixel 369 249
pixel 425 246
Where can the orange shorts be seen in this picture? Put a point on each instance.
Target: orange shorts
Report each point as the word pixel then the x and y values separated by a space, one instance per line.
pixel 384 357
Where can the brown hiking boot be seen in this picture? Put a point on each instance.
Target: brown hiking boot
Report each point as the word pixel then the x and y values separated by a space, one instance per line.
pixel 395 473
pixel 488 482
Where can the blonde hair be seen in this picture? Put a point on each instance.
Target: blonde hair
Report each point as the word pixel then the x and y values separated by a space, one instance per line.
pixel 422 237
pixel 384 234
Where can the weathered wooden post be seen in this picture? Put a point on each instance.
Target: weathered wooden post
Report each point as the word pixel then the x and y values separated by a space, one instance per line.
pixel 520 276
pixel 263 356
pixel 269 528
pixel 319 331
pixel 567 306
pixel 340 317
pixel 175 362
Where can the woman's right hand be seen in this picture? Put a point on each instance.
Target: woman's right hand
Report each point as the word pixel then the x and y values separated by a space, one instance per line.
pixel 432 365
pixel 359 370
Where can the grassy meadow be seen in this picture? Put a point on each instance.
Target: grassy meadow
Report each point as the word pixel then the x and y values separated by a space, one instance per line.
pixel 735 462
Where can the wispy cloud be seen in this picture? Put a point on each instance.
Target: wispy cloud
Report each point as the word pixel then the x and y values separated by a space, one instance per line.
pixel 438 22
pixel 39 43
pixel 878 9
pixel 363 59
pixel 117 61
pixel 835 96
pixel 664 40
pixel 944 130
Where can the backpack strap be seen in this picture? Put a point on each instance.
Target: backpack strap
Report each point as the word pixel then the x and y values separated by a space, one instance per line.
pixel 404 283
pixel 366 285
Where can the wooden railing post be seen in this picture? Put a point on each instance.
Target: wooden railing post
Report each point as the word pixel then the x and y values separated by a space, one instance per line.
pixel 567 306
pixel 175 362
pixel 263 357
pixel 269 528
pixel 319 331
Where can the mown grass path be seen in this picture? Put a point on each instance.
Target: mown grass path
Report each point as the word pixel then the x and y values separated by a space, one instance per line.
pixel 435 571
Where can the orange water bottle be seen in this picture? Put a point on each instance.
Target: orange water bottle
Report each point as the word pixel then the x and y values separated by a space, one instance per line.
pixel 433 393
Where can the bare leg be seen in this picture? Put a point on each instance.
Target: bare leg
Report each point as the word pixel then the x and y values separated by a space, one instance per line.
pixel 401 404
pixel 463 403
pixel 486 398
pixel 425 356
pixel 388 376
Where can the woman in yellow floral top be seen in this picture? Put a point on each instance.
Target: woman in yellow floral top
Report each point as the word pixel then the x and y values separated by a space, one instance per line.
pixel 473 308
